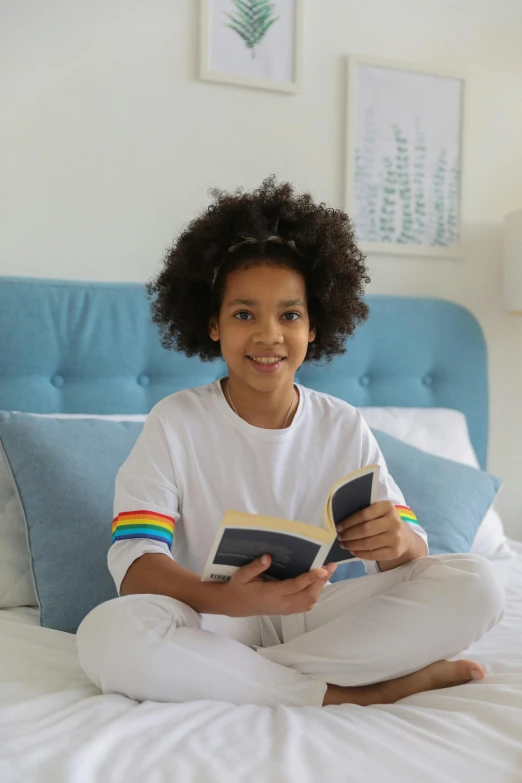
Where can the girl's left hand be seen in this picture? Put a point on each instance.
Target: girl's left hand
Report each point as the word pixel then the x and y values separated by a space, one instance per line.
pixel 376 533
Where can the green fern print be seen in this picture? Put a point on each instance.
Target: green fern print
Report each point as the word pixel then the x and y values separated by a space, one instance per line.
pixel 252 20
pixel 401 197
pixel 366 190
pixel 439 196
pixel 452 195
pixel 402 164
pixel 389 201
pixel 419 182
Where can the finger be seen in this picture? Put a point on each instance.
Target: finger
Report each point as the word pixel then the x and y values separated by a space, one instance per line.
pixel 330 570
pixel 300 602
pixel 364 530
pixel 302 582
pixel 374 511
pixel 314 591
pixel 250 571
pixel 376 554
pixel 368 544
pixel 317 585
pixel 311 595
pixel 330 567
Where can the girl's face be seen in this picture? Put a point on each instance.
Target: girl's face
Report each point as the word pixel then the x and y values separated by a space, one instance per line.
pixel 263 313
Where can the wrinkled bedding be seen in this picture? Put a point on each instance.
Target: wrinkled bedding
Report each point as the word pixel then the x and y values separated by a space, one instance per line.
pixel 56 726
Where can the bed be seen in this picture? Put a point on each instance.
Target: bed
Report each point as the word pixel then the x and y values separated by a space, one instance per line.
pixel 85 348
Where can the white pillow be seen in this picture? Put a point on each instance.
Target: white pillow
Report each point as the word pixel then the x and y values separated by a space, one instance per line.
pixel 16 576
pixel 439 431
pixel 443 432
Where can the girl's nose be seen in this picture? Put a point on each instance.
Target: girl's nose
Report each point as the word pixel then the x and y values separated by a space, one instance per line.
pixel 268 332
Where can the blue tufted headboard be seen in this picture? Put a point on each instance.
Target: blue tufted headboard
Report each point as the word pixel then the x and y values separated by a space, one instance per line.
pixel 74 347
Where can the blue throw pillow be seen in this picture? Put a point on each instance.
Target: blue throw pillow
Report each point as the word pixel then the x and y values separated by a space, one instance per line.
pixel 65 470
pixel 449 499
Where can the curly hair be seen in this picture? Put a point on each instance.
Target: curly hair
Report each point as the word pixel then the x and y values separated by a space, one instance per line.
pixel 189 288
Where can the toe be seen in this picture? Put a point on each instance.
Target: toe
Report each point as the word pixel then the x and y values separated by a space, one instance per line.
pixel 464 671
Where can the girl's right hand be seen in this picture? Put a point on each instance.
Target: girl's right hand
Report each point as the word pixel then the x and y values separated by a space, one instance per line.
pixel 247 594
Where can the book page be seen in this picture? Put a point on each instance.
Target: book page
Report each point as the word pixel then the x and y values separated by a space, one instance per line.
pixel 350 498
pixel 347 499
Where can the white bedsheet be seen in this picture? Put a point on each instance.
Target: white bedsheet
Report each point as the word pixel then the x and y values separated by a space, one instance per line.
pixel 55 726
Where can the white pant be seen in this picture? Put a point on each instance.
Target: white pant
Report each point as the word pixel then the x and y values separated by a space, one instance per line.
pixel 365 630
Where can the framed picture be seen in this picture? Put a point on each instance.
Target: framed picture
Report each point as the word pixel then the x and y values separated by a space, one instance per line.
pixel 253 43
pixel 404 158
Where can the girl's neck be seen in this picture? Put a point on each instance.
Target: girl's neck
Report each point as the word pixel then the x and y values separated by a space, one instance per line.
pixel 268 411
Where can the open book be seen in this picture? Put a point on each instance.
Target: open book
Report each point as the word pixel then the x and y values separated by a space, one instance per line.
pixel 295 547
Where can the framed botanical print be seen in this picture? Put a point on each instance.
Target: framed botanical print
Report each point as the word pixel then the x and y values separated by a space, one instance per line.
pixel 252 43
pixel 404 158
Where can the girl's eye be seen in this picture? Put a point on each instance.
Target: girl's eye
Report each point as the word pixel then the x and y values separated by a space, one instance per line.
pixel 244 312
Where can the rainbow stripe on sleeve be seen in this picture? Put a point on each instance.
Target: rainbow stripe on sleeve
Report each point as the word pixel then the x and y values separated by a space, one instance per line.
pixel 406 514
pixel 143 524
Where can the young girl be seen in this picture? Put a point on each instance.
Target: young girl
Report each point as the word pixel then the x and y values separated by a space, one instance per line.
pixel 269 280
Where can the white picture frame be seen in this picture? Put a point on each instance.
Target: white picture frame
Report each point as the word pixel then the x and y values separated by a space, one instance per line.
pixel 227 57
pixel 409 204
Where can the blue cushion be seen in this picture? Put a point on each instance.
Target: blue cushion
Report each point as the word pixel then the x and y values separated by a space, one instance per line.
pixel 65 471
pixel 450 500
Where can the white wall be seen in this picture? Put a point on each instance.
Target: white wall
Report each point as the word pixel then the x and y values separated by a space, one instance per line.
pixel 109 143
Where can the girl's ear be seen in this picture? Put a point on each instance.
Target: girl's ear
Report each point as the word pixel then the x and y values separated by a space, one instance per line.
pixel 213 330
pixel 312 333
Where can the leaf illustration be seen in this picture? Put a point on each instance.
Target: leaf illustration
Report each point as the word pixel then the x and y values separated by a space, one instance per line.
pixel 419 182
pixel 402 164
pixel 251 21
pixel 439 199
pixel 452 228
pixel 388 204
pixel 366 186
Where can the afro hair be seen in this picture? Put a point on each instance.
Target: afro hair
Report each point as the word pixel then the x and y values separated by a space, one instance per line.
pixel 188 290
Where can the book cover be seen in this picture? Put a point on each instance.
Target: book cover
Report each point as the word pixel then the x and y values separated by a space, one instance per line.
pixel 295 547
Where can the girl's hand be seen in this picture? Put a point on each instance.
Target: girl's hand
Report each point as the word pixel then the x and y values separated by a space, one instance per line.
pixel 246 594
pixel 378 533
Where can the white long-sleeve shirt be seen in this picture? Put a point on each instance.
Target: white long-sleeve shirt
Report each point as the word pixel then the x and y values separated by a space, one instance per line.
pixel 195 458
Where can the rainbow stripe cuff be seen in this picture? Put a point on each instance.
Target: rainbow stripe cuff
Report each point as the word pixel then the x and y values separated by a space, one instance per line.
pixel 406 514
pixel 143 524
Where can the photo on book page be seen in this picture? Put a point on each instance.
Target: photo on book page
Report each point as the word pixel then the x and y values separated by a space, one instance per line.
pixel 291 555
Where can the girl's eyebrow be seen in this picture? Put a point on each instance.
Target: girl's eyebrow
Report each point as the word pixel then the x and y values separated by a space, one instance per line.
pixel 253 302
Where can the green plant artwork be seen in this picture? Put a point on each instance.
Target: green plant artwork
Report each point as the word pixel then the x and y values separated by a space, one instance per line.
pixel 402 158
pixel 399 197
pixel 419 180
pixel 251 21
pixel 388 201
pixel 439 180
pixel 367 191
pixel 452 227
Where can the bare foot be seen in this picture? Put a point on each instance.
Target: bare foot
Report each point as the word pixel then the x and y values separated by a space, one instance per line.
pixel 441 674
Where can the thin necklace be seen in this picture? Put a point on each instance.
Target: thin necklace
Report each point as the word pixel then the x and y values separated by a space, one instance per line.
pixel 287 415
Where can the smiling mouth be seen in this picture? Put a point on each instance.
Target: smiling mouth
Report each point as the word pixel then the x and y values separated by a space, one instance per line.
pixel 267 361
